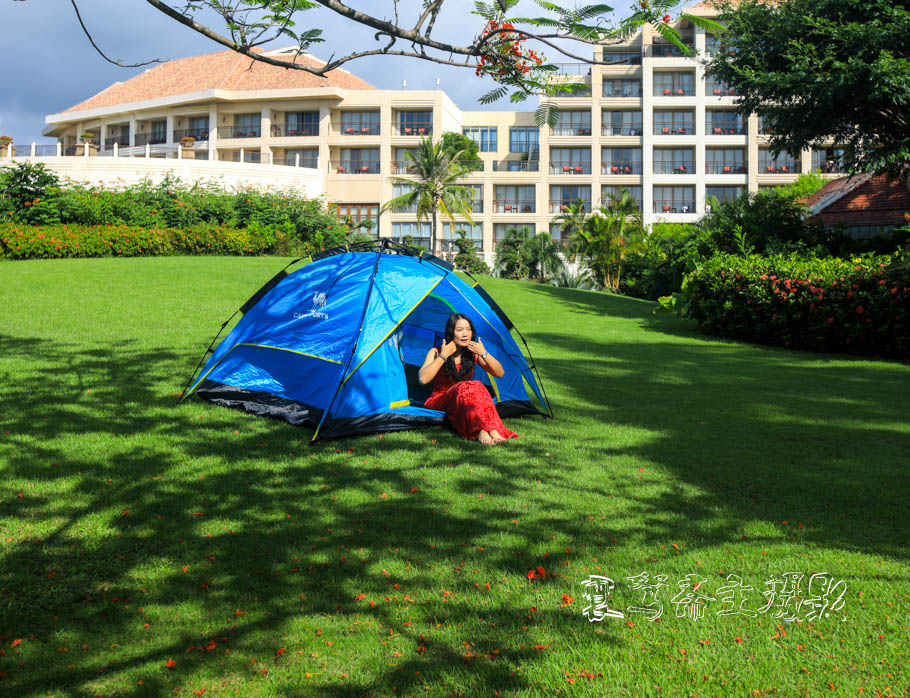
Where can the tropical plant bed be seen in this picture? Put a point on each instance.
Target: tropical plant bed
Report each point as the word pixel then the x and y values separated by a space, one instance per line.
pixel 148 549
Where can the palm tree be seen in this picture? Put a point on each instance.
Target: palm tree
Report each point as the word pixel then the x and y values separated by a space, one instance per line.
pixel 607 237
pixel 435 189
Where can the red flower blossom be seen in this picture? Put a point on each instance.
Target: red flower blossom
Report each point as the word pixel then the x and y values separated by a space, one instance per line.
pixel 859 310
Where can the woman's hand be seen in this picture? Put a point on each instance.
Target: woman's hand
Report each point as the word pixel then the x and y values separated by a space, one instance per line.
pixel 448 348
pixel 477 347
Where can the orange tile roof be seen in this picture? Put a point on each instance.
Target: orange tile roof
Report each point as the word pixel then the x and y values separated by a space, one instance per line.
pixel 224 70
pixel 861 200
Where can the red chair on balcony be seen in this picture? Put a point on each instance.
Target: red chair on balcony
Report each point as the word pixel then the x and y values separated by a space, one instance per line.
pixel 563 208
pixel 769 168
pixel 680 92
pixel 785 169
pixel 340 170
pixel 349 130
pixel 718 91
pixel 717 130
pixel 421 131
pixel 365 168
pixel 727 169
pixel 407 131
pixel 665 131
pixel 614 169
pixel 579 169
pixel 526 208
pixel 666 207
pixel 681 129
pixel 628 169
pixel 507 208
pixel 566 169
pixel 364 129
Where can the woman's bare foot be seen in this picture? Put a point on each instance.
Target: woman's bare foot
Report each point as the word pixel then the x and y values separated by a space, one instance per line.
pixel 497 437
pixel 485 438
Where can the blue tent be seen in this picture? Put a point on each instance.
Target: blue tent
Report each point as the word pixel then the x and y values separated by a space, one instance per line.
pixel 337 344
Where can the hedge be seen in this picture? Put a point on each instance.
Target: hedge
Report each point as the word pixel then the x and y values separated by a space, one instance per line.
pixel 861 305
pixel 52 241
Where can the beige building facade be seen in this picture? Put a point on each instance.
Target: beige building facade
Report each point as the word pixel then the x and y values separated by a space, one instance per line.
pixel 647 121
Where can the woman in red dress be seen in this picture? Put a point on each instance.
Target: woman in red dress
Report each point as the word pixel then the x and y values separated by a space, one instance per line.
pixel 466 402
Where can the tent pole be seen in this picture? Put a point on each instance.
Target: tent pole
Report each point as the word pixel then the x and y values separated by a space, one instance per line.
pixel 363 314
pixel 183 395
pixel 536 372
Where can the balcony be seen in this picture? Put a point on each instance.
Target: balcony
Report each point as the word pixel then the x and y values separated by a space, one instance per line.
pixel 122 141
pixel 150 138
pixel 678 168
pixel 572 69
pixel 562 205
pixel 673 206
pixel 512 206
pixel 583 91
pixel 767 167
pixel 412 129
pixel 237 132
pixel 725 168
pixel 200 134
pixel 291 160
pixel 727 129
pixel 516 166
pixel 830 167
pixel 674 92
pixel 473 165
pixel 578 130
pixel 623 58
pixel 292 130
pixel 570 168
pixel 355 129
pixel 249 156
pixel 664 129
pixel 354 167
pixel 610 130
pixel 715 90
pixel 620 168
pixel 668 51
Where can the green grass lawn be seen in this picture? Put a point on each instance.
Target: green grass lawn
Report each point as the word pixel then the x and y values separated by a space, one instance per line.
pixel 149 549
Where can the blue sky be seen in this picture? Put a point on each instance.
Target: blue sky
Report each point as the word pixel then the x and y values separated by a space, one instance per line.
pixel 49 65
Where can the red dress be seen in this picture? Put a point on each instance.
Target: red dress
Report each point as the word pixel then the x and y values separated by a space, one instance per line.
pixel 467 404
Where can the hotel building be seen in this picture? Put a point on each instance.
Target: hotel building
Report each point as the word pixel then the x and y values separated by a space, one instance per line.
pixel 646 120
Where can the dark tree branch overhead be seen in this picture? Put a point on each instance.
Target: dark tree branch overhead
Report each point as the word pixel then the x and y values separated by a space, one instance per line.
pixel 100 52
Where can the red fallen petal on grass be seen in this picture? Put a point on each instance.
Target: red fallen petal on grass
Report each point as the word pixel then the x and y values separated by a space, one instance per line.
pixel 383 495
pixel 397 654
pixel 16 642
pixel 630 624
pixel 675 546
pixel 125 512
pixel 372 604
pixel 566 599
pixel 541 571
pixel 238 612
pixel 170 664
pixel 738 639
pixel 197 513
pixel 413 490
pixel 532 574
pixel 360 597
pixel 281 651
pixel 20 495
pixel 487 586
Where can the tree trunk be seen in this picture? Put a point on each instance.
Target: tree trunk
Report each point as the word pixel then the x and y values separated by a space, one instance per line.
pixel 433 230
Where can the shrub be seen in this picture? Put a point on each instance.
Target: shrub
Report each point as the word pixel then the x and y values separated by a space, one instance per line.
pixel 23 188
pixel 859 305
pixel 61 240
pixel 467 257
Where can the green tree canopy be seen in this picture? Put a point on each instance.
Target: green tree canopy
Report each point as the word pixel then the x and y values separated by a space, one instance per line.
pixel 823 70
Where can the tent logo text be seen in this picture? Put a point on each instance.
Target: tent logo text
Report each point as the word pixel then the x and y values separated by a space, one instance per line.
pixel 319 300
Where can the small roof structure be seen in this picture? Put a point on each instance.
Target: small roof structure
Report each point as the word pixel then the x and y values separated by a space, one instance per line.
pixel 860 200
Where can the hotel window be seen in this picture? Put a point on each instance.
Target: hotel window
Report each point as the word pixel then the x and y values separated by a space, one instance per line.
pixel 360 213
pixel 674 199
pixel 302 123
pixel 159 132
pixel 621 88
pixel 561 197
pixel 723 194
pixel 523 139
pixel 620 123
pixel 674 123
pixel 713 88
pixel 511 199
pixel 573 123
pixel 309 157
pixel 483 136
pixel 570 161
pixel 360 123
pixel 401 190
pixel 359 161
pixel 500 229
pixel 828 160
pixel 247 125
pixel 559 233
pixel 477 201
pixel 450 232
pixel 419 233
pixel 415 123
pixel 674 84
pixel 784 163
pixel 725 161
pixel 620 161
pixel 622 58
pixel 633 190
pixel 674 161
pixel 724 122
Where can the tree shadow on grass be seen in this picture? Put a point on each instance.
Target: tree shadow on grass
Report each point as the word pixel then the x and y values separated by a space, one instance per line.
pixel 179 512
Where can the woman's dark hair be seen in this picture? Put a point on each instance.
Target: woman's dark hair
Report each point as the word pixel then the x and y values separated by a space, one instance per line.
pixel 467 356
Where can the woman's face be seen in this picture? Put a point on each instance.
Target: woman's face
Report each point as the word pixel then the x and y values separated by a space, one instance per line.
pixel 462 333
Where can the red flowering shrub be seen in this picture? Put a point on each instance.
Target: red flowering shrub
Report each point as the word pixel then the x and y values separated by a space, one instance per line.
pixel 861 305
pixel 51 241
